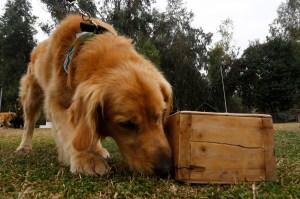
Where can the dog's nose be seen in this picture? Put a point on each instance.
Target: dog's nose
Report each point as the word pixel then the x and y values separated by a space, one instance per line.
pixel 164 167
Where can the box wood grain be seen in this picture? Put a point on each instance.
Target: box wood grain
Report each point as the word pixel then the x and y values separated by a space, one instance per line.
pixel 221 148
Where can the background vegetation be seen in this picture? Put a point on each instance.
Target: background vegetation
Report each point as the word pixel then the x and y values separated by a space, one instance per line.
pixel 39 175
pixel 265 77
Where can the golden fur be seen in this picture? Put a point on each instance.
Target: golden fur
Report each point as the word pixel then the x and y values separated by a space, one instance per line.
pixel 109 90
pixel 5 118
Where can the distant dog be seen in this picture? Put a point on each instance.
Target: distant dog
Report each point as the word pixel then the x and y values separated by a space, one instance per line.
pixel 18 122
pixel 5 118
pixel 105 89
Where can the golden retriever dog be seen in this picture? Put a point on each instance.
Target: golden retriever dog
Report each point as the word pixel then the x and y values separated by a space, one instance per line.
pixel 108 89
pixel 5 118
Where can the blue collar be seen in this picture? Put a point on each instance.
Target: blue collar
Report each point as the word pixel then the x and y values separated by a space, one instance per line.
pixel 81 39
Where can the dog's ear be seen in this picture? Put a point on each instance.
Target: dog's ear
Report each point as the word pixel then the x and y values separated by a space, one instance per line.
pixel 167 93
pixel 84 115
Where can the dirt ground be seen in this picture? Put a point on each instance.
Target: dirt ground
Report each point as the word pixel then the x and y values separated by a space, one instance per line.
pixel 287 126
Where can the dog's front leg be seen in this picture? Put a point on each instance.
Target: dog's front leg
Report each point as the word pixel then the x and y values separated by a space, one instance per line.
pixel 75 150
pixel 101 150
pixel 86 153
pixel 90 160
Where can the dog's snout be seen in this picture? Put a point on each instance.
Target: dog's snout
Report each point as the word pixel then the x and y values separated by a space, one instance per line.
pixel 164 167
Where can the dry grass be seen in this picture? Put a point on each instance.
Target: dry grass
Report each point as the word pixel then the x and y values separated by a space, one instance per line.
pixel 295 127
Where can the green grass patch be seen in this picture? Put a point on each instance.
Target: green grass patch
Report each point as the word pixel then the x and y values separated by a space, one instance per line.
pixel 39 174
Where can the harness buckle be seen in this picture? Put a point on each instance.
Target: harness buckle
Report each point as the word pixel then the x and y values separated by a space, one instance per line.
pixel 85 15
pixel 90 26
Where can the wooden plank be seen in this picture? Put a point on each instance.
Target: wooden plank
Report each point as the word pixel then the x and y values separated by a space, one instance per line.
pixel 226 176
pixel 184 159
pixel 179 139
pixel 224 114
pixel 243 131
pixel 185 140
pixel 172 128
pixel 213 156
pixel 226 162
pixel 269 148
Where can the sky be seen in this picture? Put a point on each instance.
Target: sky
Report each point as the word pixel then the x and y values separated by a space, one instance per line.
pixel 251 18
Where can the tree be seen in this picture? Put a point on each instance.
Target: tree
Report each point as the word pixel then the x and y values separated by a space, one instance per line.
pixel 133 18
pixel 220 60
pixel 16 43
pixel 183 50
pixel 216 63
pixel 269 76
pixel 129 17
pixel 60 8
pixel 226 30
pixel 287 26
pixel 287 23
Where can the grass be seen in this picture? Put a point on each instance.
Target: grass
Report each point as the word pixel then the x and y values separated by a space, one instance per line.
pixel 39 175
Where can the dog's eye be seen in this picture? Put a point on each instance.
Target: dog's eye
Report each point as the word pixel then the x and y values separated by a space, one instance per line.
pixel 128 125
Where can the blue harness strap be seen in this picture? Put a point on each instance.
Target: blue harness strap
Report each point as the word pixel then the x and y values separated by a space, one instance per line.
pixel 81 38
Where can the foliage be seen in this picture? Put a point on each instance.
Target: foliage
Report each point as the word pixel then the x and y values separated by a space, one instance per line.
pixel 39 175
pixel 16 43
pixel 183 50
pixel 129 17
pixel 216 63
pixel 220 60
pixel 287 23
pixel 287 26
pixel 133 19
pixel 226 30
pixel 269 75
pixel 60 8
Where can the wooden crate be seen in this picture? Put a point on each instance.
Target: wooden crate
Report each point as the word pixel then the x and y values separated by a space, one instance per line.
pixel 221 148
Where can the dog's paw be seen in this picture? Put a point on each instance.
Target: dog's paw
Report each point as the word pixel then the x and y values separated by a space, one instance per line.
pixel 23 149
pixel 89 163
pixel 103 152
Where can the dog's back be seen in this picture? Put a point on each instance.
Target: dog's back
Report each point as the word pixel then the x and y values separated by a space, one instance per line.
pixel 47 61
pixel 56 47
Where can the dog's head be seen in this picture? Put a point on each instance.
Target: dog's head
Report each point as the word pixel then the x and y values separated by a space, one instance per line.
pixel 129 103
pixel 134 116
pixel 12 115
